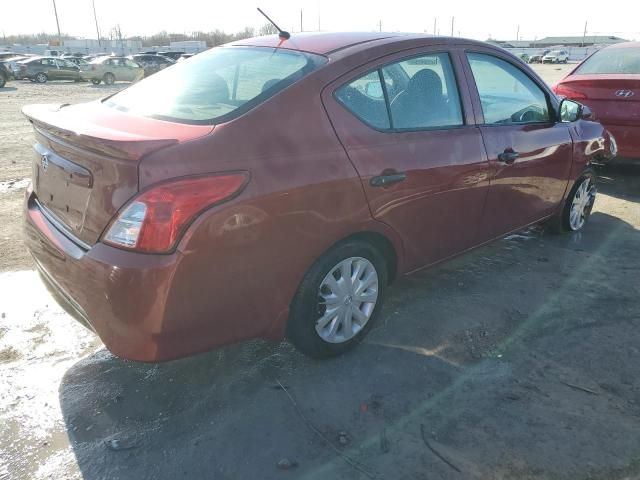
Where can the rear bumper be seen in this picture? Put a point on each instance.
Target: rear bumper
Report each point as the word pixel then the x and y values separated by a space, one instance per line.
pixel 627 138
pixel 122 296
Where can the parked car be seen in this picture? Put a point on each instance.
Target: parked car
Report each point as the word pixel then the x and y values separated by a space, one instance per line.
pixel 609 83
pixel 111 69
pixel 5 75
pixel 556 56
pixel 172 55
pixel 184 56
pixel 42 69
pixel 524 57
pixel 537 58
pixel 12 64
pixel 152 63
pixel 4 55
pixel 257 191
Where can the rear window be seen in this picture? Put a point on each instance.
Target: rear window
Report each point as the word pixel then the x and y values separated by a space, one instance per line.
pixel 216 85
pixel 612 60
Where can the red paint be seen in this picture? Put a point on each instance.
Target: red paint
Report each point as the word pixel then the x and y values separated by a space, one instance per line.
pixel 619 115
pixel 238 265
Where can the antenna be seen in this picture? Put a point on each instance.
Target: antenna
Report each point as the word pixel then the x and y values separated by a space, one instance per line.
pixel 281 33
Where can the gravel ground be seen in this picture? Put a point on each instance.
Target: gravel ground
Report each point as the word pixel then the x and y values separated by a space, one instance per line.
pixel 516 361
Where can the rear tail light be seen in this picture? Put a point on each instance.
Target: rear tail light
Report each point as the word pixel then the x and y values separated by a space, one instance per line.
pixel 565 91
pixel 154 221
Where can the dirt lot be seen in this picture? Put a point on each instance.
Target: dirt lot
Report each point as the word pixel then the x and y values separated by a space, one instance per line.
pixel 517 361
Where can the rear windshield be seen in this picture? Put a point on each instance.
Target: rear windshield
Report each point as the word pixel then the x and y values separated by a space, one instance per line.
pixel 216 85
pixel 612 60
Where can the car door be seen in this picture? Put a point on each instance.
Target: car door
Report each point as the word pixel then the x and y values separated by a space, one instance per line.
pixel 61 72
pixel 530 152
pixel 48 66
pixel 408 129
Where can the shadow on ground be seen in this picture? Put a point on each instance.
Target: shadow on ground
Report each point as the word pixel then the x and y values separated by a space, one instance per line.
pixel 517 361
pixel 620 181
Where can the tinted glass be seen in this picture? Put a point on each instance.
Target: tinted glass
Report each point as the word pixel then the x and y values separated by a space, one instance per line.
pixel 507 94
pixel 612 60
pixel 364 97
pixel 202 91
pixel 425 94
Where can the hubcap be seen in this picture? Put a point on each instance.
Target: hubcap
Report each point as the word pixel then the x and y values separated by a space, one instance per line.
pixel 346 299
pixel 581 204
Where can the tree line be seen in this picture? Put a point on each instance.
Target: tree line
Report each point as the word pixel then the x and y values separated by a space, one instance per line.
pixel 212 38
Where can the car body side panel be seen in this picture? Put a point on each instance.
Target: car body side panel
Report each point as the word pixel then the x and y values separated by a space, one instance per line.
pixel 304 196
pixel 446 171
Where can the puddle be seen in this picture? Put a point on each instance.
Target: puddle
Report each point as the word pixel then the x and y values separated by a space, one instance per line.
pixel 39 342
pixel 14 185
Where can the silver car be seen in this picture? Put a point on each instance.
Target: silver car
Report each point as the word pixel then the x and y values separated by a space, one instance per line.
pixel 111 69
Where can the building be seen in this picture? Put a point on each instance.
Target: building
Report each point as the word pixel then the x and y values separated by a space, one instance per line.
pixel 546 42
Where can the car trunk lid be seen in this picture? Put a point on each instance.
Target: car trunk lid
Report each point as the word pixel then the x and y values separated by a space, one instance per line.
pixel 85 164
pixel 615 99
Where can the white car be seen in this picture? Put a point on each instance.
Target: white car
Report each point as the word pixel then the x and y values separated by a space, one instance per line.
pixel 556 56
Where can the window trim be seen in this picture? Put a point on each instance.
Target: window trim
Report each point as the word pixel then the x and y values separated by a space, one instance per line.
pixel 553 113
pixel 391 129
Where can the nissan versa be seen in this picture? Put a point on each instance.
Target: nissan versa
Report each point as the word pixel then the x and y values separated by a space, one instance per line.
pixel 274 188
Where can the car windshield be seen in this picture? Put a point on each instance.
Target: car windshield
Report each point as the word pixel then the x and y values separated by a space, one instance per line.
pixel 216 85
pixel 555 52
pixel 612 60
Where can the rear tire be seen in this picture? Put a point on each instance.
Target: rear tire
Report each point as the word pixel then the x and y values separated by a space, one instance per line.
pixel 41 78
pixel 3 81
pixel 109 79
pixel 577 207
pixel 338 300
pixel 96 81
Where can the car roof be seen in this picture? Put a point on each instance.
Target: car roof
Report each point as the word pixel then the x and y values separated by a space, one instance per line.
pixel 325 43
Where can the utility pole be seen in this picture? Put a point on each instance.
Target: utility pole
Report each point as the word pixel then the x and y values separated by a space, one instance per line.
pixel 435 23
pixel 95 16
pixel 55 10
pixel 301 29
pixel 380 24
pixel 584 34
pixel 452 21
pixel 518 33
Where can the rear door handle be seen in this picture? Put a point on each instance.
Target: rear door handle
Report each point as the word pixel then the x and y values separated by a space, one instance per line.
pixel 386 180
pixel 508 156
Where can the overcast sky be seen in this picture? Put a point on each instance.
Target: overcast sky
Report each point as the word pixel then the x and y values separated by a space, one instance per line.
pixel 473 19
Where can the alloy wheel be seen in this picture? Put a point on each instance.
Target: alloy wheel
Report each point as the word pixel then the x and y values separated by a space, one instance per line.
pixel 581 204
pixel 346 299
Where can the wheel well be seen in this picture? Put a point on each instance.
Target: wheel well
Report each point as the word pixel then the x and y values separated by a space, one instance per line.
pixel 383 245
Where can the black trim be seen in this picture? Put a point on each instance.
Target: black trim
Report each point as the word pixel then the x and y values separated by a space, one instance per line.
pixel 385 94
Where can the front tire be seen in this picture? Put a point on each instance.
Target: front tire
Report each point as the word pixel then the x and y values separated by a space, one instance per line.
pixel 41 78
pixel 3 81
pixel 109 79
pixel 578 205
pixel 96 81
pixel 338 300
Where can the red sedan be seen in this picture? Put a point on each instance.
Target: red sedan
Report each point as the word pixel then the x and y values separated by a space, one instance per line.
pixel 609 83
pixel 275 188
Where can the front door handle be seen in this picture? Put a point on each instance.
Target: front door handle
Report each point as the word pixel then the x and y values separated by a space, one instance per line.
pixel 508 156
pixel 387 179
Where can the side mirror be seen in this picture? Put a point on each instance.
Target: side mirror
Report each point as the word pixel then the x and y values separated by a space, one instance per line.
pixel 571 111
